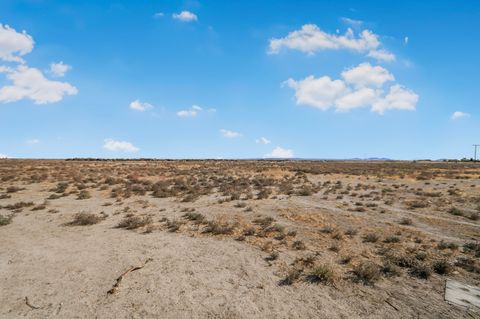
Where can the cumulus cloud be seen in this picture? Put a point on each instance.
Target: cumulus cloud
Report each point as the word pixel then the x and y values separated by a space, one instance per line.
pixel 360 86
pixel 310 39
pixel 398 98
pixel 185 16
pixel 279 152
pixel 191 112
pixel 59 69
pixel 158 15
pixel 406 40
pixel 382 55
pixel 457 115
pixel 137 105
pixel 320 93
pixel 28 82
pixel 119 146
pixel 31 83
pixel 3 156
pixel 263 140
pixel 14 44
pixel 359 98
pixel 230 134
pixel 366 75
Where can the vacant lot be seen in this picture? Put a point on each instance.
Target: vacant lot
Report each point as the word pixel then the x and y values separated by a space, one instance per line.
pixel 236 239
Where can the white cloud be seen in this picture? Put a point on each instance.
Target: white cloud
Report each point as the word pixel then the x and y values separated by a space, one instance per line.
pixel 3 156
pixel 158 15
pixel 320 93
pixel 310 38
pixel 457 115
pixel 263 140
pixel 31 83
pixel 406 40
pixel 119 146
pixel 361 86
pixel 185 16
pixel 279 152
pixel 398 98
pixel 14 44
pixel 382 55
pixel 28 82
pixel 230 134
pixel 59 69
pixel 366 75
pixel 33 141
pixel 359 98
pixel 137 105
pixel 352 22
pixel 192 112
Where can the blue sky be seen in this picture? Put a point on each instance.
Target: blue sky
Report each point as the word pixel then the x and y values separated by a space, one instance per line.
pixel 239 79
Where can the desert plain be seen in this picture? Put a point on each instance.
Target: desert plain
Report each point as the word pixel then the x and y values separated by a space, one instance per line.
pixel 236 239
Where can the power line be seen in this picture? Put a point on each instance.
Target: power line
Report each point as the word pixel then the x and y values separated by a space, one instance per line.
pixel 475 152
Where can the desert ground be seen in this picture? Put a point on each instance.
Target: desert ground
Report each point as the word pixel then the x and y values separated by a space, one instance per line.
pixel 236 239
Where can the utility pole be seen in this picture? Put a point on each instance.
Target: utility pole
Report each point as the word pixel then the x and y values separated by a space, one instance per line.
pixel 475 156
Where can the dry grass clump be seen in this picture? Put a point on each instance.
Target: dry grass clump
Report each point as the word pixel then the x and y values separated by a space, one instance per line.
pixel 14 189
pixel 455 211
pixel 366 272
pixel 389 269
pixel 405 221
pixel 442 267
pixel 83 194
pixel 41 206
pixel 291 276
pixel 5 220
pixel 134 222
pixel 446 245
pixel 298 245
pixel 370 238
pixel 18 207
pixel 85 219
pixel 195 217
pixel 217 228
pixel 420 270
pixel 324 273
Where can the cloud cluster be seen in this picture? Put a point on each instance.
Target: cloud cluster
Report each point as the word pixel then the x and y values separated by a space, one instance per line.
pixel 185 16
pixel 279 152
pixel 137 105
pixel 3 156
pixel 59 69
pixel 13 44
pixel 230 134
pixel 360 86
pixel 458 115
pixel 263 140
pixel 28 82
pixel 310 39
pixel 191 112
pixel 119 146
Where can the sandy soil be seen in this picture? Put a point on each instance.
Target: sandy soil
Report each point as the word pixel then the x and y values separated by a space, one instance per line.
pixel 50 269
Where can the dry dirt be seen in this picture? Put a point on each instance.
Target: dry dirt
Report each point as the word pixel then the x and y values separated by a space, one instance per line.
pixel 236 239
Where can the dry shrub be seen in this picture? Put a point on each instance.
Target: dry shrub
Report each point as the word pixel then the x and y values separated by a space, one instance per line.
pixel 134 222
pixel 5 220
pixel 291 276
pixel 370 238
pixel 85 219
pixel 217 228
pixel 442 267
pixel 324 273
pixel 366 272
pixel 84 194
